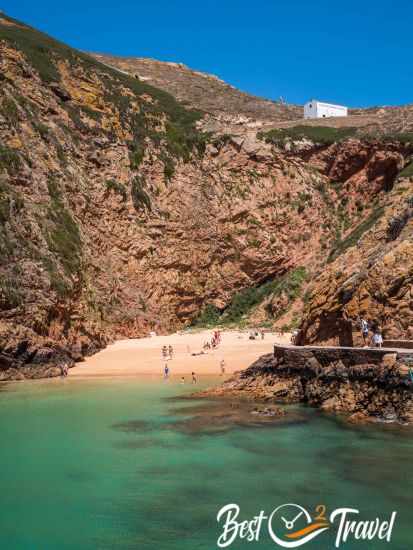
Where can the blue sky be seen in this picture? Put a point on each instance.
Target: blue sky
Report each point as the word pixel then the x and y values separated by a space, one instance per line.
pixel 355 52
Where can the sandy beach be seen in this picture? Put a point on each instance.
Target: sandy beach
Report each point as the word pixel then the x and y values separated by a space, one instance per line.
pixel 143 356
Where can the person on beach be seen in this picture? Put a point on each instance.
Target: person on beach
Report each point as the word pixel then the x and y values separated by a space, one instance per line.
pixel 364 331
pixel 62 370
pixel 377 339
pixel 65 369
pixel 166 372
pixel 183 380
pixel 164 352
pixel 222 366
pixel 171 352
pixel 193 378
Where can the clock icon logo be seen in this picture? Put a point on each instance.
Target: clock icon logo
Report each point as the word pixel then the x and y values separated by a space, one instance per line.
pixel 291 526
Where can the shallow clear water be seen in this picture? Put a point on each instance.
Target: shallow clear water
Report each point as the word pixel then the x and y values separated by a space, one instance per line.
pixel 114 464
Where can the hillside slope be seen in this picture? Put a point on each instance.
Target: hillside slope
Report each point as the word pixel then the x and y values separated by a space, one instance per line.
pixel 118 215
pixel 207 92
pixel 227 109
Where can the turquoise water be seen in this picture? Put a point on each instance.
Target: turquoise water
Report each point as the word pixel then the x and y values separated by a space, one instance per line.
pixel 119 465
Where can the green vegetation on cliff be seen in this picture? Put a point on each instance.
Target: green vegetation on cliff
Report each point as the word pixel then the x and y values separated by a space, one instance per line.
pixel 342 245
pixel 140 197
pixel 63 234
pixel 244 301
pixel 180 137
pixel 318 134
pixel 117 187
pixel 407 171
pixel 10 161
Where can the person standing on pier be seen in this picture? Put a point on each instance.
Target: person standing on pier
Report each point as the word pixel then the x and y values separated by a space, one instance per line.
pixel 364 331
pixel 377 339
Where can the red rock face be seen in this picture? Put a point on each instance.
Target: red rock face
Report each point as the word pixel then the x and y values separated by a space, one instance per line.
pixel 114 221
pixel 371 280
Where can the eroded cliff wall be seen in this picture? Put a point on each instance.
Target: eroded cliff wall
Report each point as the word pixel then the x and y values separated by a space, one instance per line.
pixel 118 215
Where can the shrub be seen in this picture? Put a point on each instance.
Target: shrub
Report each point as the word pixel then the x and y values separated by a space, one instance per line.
pixel 116 187
pixel 243 301
pixel 9 111
pixel 10 160
pixel 60 152
pixel 222 140
pixel 10 296
pixel 140 198
pixel 209 316
pixel 90 112
pixel 407 171
pixel 318 134
pixel 168 166
pixel 42 129
pixel 57 281
pixel 136 154
pixel 402 137
pixel 246 299
pixel 4 203
pixel 74 113
pixel 341 245
pixel 8 197
pixel 64 236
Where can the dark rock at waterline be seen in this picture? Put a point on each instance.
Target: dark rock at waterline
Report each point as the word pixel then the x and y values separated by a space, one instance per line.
pixel 368 385
pixel 222 415
pixel 269 411
pixel 133 426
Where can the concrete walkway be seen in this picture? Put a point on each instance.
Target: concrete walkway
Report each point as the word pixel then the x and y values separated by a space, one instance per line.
pixel 358 354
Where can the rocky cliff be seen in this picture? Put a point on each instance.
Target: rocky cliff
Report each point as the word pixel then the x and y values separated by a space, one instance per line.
pixel 119 213
pixel 369 274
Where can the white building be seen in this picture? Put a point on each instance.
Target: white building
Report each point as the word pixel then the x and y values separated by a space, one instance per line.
pixel 318 109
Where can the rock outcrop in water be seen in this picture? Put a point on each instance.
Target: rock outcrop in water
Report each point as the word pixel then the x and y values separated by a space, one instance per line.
pixel 119 214
pixel 367 385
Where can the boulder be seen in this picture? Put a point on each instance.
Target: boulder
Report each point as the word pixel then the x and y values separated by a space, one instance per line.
pixel 389 360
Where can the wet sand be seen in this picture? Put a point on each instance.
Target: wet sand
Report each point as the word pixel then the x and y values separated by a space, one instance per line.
pixel 143 356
